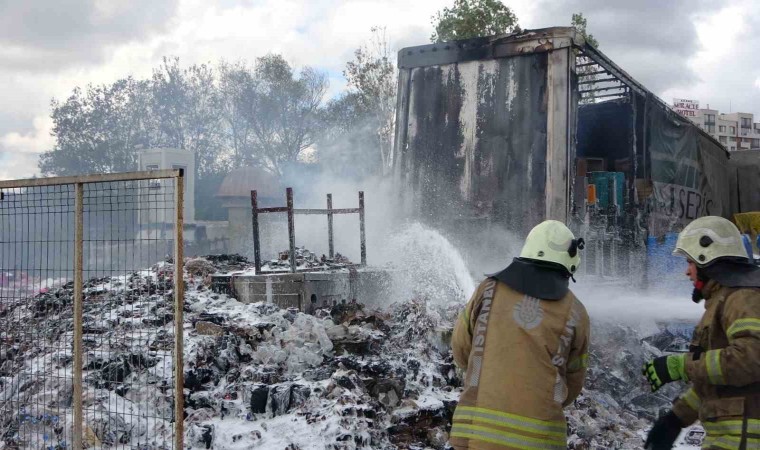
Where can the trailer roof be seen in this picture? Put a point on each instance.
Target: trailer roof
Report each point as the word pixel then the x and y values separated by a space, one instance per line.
pixel 529 42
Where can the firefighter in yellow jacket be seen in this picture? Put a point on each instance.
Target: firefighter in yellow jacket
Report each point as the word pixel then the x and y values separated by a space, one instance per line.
pixel 523 341
pixel 723 363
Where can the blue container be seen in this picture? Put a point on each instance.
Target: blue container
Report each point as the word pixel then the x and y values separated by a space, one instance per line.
pixel 602 182
pixel 748 246
pixel 662 266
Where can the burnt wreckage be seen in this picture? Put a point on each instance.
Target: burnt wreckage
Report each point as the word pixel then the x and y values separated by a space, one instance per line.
pixel 506 131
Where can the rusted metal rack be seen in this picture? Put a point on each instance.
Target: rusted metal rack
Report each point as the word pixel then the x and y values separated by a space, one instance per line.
pixel 291 211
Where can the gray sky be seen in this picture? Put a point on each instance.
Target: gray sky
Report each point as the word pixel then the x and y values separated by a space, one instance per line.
pixel 694 49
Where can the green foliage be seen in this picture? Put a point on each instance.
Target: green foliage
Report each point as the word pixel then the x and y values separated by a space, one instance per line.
pixel 371 77
pixel 473 18
pixel 580 23
pixel 229 117
pixel 98 130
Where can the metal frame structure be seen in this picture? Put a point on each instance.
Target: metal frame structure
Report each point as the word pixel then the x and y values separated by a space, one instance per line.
pixel 79 183
pixel 291 211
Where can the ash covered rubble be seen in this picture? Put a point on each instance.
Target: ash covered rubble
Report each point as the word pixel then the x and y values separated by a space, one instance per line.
pixel 306 260
pixel 260 376
pixel 257 376
pixel 127 343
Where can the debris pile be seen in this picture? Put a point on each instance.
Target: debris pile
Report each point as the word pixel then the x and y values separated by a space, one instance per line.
pixel 257 376
pixel 306 260
pixel 127 343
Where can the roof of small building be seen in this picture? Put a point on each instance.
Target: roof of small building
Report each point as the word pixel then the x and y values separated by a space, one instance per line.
pixel 240 183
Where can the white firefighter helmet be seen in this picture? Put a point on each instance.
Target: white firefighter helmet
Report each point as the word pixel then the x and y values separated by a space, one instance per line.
pixel 552 242
pixel 709 238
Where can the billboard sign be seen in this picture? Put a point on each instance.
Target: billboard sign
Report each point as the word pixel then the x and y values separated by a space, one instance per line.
pixel 685 107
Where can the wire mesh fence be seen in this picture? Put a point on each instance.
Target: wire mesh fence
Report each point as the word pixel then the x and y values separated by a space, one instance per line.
pixel 90 305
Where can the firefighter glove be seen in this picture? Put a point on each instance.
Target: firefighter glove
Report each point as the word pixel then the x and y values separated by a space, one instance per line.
pixel 664 433
pixel 665 369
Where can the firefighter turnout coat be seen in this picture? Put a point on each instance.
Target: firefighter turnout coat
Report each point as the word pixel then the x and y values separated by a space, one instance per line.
pixel 525 359
pixel 724 369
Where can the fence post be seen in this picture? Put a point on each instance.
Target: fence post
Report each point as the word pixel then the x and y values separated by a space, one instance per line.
pixel 291 230
pixel 179 300
pixel 78 308
pixel 362 237
pixel 255 226
pixel 330 226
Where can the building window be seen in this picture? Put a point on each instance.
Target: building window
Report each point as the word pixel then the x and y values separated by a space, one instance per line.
pixel 755 143
pixel 732 139
pixel 732 130
pixel 746 122
pixel 711 129
pixel 709 119
pixel 723 140
pixel 722 128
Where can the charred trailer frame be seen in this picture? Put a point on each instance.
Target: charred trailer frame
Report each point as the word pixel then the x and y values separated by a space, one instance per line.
pixel 498 133
pixel 291 212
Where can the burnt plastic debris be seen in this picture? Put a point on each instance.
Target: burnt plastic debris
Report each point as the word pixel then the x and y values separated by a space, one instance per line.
pixel 355 377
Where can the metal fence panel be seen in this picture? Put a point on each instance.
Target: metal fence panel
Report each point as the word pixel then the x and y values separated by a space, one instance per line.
pixel 91 312
pixel 36 257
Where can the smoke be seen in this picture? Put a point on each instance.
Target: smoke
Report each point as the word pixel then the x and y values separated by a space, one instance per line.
pixel 444 266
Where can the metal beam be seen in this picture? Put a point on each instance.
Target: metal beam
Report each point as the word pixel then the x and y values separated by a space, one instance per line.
pixel 179 322
pixel 615 94
pixel 291 229
pixel 362 237
pixel 95 178
pixel 330 240
pixel 600 80
pixel 603 89
pixel 255 226
pixel 598 72
pixel 326 211
pixel 78 310
pixel 604 62
pixel 309 211
pixel 278 209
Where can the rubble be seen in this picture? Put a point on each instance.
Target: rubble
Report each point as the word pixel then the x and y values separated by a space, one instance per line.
pixel 257 376
pixel 306 260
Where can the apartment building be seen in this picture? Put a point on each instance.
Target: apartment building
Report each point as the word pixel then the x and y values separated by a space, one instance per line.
pixel 736 131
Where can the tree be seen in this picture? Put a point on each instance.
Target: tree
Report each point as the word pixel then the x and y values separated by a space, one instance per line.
pixel 371 77
pixel 186 105
pixel 264 115
pixel 580 23
pixel 282 109
pixel 100 129
pixel 348 142
pixel 473 18
pixel 236 88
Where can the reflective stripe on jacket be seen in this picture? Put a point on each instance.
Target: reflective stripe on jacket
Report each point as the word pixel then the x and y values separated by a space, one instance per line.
pixel 525 359
pixel 724 369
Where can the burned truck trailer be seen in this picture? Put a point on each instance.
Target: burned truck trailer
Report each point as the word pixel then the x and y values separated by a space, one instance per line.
pixel 503 132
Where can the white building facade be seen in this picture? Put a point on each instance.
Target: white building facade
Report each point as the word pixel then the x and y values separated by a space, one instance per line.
pixel 736 131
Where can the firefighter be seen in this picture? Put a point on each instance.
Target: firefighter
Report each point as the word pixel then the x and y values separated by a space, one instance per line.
pixel 723 363
pixel 522 341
